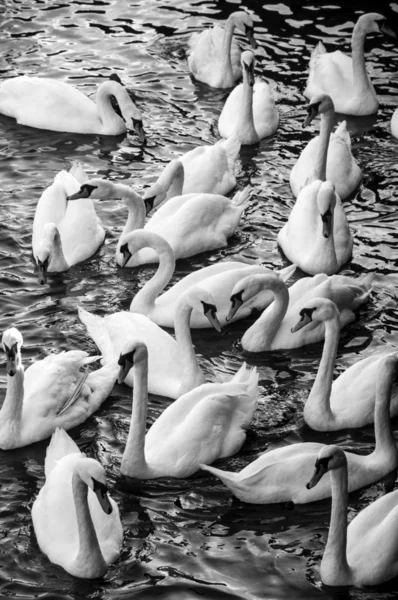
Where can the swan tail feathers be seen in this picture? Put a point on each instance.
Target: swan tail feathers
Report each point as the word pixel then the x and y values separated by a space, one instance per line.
pixel 76 393
pixel 228 477
pixel 232 148
pixel 78 172
pixel 241 197
pixel 68 182
pixel 90 359
pixel 61 444
pixel 287 272
pixel 97 330
pixel 342 133
pixel 317 51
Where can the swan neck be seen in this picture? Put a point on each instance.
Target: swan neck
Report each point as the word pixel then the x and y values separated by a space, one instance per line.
pixel 384 438
pixel 360 77
pixel 136 209
pixel 323 146
pixel 58 260
pixel 269 322
pixel 226 65
pixel 322 388
pixel 324 248
pixel 191 370
pixel 133 461
pixel 109 119
pixel 11 411
pixel 246 122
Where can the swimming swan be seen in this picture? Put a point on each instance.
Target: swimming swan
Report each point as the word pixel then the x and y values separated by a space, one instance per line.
pixel 173 367
pixel 366 552
pixel 349 400
pixel 54 392
pixel 343 78
pixel 250 107
pixel 394 123
pixel 214 54
pixel 317 237
pixel 204 424
pixel 272 330
pixel 77 525
pixel 328 155
pixel 280 475
pixel 64 233
pixel 58 106
pixel 218 279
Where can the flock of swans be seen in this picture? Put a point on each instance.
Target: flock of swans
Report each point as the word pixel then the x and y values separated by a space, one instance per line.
pixel 76 523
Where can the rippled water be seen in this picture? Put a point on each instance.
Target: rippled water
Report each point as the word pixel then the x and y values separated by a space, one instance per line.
pixel 184 539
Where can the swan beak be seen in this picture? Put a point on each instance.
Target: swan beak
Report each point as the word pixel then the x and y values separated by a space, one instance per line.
pixel 386 29
pixel 312 113
pixel 82 193
pixel 42 279
pixel 236 303
pixel 11 354
pixel 139 130
pixel 250 36
pixel 101 492
pixel 320 470
pixel 327 223
pixel 125 366
pixel 306 317
pixel 126 254
pixel 212 316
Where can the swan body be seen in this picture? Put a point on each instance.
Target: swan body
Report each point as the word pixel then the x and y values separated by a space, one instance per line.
pixel 343 78
pixel 350 557
pixel 76 524
pixel 349 400
pixel 173 367
pixel 214 54
pixel 394 123
pixel 272 330
pixel 327 156
pixel 317 237
pixel 250 107
pixel 64 233
pixel 53 392
pixel 204 424
pixel 57 106
pixel 280 475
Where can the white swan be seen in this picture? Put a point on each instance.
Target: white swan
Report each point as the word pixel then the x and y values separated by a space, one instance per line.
pixel 64 233
pixel 328 155
pixel 272 330
pixel 280 475
pixel 77 524
pixel 218 279
pixel 394 123
pixel 54 392
pixel 344 78
pixel 58 106
pixel 191 224
pixel 173 367
pixel 214 54
pixel 366 552
pixel 250 107
pixel 203 425
pixel 349 400
pixel 317 237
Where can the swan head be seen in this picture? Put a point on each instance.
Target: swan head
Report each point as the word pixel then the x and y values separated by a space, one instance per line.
pixel 93 475
pixel 202 301
pixel 247 61
pixel 97 189
pixel 133 353
pixel 244 22
pixel 315 311
pixel 319 104
pixel 249 287
pixel 329 458
pixel 173 173
pixel 43 251
pixel 12 342
pixel 375 23
pixel 326 201
pixel 133 119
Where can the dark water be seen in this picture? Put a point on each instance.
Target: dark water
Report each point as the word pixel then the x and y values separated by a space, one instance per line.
pixel 185 539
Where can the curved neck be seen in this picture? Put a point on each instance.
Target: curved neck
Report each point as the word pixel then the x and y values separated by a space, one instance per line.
pixel 144 301
pixel 172 179
pixel 360 77
pixel 268 324
pixel 226 65
pixel 110 120
pixel 89 556
pixel 323 146
pixel 58 261
pixel 192 375
pixel 136 208
pixel 133 460
pixel 11 411
pixel 246 122
pixel 384 438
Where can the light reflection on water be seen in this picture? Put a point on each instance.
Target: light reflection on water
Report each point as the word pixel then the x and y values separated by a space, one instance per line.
pixel 184 539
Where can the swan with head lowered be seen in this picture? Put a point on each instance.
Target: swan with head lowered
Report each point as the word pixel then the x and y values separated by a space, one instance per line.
pixel 173 366
pixel 214 54
pixel 272 330
pixel 77 525
pixel 349 400
pixel 58 106
pixel 343 78
pixel 280 475
pixel 317 237
pixel 250 107
pixel 327 156
pixel 218 279
pixel 364 553
pixel 64 233
pixel 205 424
pixel 57 391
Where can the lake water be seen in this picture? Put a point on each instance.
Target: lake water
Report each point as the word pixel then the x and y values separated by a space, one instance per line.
pixel 185 539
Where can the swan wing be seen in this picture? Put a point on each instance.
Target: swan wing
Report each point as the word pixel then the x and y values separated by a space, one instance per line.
pixel 332 74
pixel 265 113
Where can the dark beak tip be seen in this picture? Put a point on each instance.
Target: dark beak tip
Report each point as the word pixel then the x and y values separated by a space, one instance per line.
pixel 308 486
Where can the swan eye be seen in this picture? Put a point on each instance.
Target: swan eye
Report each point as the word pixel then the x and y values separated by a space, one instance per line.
pixel 123 358
pixel 322 462
pixel 149 202
pixel 326 215
pixel 209 308
pixel 237 298
pixel 306 314
pixel 126 254
pixel 313 108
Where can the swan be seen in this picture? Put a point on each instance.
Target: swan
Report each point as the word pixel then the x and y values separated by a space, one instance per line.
pixel 349 400
pixel 173 367
pixel 214 54
pixel 250 107
pixel 204 424
pixel 280 474
pixel 272 330
pixel 317 237
pixel 327 156
pixel 394 123
pixel 57 106
pixel 64 233
pixel 192 223
pixel 77 525
pixel 366 552
pixel 344 78
pixel 218 279
pixel 54 392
